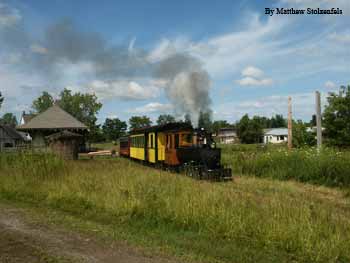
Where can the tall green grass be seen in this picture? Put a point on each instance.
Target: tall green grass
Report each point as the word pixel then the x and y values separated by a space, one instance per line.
pixel 248 220
pixel 328 167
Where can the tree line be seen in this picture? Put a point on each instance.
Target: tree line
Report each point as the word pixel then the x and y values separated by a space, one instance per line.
pixel 85 107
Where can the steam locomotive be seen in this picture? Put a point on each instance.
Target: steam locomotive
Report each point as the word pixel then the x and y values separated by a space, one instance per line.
pixel 179 147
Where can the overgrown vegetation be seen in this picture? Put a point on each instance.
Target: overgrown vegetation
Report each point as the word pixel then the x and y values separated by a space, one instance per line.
pixel 328 167
pixel 249 220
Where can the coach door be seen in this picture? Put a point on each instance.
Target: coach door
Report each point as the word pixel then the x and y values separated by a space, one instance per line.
pixel 172 140
pixel 151 147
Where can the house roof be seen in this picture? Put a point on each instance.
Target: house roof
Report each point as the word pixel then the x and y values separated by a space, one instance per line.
pixel 11 132
pixel 227 132
pixel 276 131
pixel 53 118
pixel 63 135
pixel 27 117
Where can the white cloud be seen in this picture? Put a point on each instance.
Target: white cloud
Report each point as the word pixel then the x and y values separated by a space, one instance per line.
pixel 123 89
pixel 131 44
pixel 11 58
pixel 166 48
pixel 303 106
pixel 249 81
pixel 38 49
pixel 330 85
pixel 342 37
pixel 253 76
pixel 265 42
pixel 252 72
pixel 9 16
pixel 153 107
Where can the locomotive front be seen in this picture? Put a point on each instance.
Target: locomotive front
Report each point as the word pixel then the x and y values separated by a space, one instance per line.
pixel 202 159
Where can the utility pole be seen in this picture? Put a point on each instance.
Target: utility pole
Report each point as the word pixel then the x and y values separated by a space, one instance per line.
pixel 290 135
pixel 318 120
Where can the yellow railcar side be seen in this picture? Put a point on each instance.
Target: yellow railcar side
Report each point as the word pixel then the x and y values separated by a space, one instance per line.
pixel 151 147
pixel 137 147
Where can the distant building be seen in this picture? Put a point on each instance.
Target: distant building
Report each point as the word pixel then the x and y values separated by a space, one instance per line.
pixel 275 135
pixel 9 137
pixel 227 136
pixel 313 129
pixel 26 117
pixel 57 129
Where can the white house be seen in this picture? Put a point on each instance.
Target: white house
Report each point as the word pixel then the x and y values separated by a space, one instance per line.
pixel 227 136
pixel 276 135
pixel 26 117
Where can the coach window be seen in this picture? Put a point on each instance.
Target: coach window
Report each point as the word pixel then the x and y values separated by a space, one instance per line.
pixel 151 141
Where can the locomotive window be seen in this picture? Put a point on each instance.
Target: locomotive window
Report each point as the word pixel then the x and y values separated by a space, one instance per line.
pixel 177 141
pixel 186 138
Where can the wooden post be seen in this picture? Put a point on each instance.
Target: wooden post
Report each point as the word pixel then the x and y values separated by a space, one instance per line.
pixel 290 134
pixel 318 120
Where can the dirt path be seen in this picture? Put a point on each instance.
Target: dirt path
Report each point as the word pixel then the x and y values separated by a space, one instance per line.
pixel 22 241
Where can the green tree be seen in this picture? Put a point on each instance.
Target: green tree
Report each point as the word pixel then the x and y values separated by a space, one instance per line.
pixel 113 129
pixel 204 120
pixel 9 119
pixel 337 118
pixel 249 130
pixel 301 137
pixel 278 121
pixel 1 99
pixel 165 118
pixel 42 103
pixel 84 107
pixel 137 122
pixel 219 124
pixel 312 122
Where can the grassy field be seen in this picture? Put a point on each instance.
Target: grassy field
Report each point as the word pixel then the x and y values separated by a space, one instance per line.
pixel 105 146
pixel 248 220
pixel 328 167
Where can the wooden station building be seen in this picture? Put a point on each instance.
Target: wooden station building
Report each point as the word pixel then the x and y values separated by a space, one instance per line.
pixel 57 130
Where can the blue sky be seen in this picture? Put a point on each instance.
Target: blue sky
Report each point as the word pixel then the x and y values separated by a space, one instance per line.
pixel 112 48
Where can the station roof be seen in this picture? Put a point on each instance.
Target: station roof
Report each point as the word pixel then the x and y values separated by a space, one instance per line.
pixel 53 118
